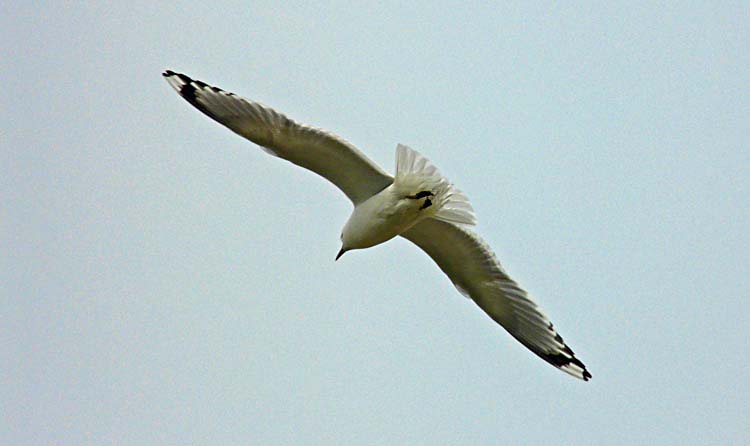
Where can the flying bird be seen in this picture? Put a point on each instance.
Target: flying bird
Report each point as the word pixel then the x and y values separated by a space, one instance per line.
pixel 416 203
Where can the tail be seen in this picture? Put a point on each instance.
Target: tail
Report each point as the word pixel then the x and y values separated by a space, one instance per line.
pixel 415 173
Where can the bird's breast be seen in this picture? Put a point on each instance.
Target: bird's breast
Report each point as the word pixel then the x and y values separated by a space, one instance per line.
pixel 380 218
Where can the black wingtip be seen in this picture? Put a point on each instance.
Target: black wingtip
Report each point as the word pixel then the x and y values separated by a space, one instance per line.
pixel 189 89
pixel 566 358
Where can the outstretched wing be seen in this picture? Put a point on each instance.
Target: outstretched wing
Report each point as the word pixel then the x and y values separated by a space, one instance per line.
pixel 315 149
pixel 473 268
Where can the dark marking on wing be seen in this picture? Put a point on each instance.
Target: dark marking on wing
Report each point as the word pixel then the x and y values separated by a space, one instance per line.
pixel 566 357
pixel 189 91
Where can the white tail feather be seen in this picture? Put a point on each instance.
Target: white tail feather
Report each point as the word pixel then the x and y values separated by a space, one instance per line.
pixel 415 173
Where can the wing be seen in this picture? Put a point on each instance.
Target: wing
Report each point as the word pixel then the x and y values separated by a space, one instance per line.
pixel 475 271
pixel 324 153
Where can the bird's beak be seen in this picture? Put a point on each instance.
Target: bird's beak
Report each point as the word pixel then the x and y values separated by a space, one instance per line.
pixel 341 253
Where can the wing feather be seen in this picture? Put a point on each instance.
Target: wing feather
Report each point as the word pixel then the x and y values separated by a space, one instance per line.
pixel 475 271
pixel 315 149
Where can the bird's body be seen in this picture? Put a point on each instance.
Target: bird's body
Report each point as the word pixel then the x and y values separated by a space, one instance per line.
pixel 418 203
pixel 418 192
pixel 379 219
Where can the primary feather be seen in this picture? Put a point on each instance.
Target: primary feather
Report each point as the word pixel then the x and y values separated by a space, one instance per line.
pixel 324 153
pixel 475 271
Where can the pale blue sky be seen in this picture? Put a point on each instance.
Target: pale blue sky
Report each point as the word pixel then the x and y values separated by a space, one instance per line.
pixel 166 282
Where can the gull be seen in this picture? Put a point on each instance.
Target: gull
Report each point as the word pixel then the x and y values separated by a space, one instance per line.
pixel 416 203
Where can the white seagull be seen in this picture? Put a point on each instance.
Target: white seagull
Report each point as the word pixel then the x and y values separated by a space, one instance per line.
pixel 418 203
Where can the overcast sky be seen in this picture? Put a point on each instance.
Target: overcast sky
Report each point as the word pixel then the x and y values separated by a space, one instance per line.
pixel 164 281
